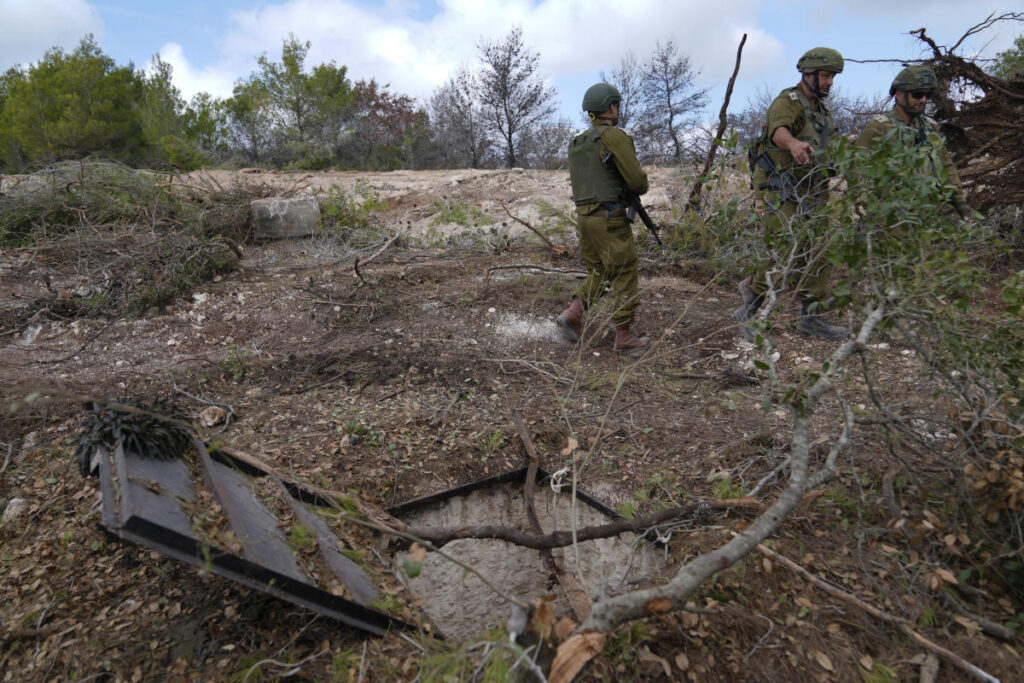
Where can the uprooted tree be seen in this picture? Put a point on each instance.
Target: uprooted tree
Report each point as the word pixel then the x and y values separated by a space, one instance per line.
pixel 980 115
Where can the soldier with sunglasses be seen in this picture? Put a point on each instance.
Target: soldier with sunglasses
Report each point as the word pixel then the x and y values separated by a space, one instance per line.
pixel 911 89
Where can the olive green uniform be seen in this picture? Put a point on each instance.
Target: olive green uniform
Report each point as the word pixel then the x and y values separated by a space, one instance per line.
pixel 602 166
pixel 921 131
pixel 808 123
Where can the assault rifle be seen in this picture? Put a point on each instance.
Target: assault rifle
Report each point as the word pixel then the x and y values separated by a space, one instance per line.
pixel 783 182
pixel 637 209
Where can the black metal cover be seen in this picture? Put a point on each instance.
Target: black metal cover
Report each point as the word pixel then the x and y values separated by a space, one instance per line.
pixel 145 500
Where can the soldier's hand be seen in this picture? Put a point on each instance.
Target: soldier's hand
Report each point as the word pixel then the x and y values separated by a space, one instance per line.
pixel 801 151
pixel 966 212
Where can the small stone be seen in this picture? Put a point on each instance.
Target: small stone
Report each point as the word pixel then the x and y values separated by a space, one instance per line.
pixel 15 508
pixel 30 442
pixel 212 416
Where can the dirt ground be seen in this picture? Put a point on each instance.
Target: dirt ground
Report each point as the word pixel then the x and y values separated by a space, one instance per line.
pixel 425 352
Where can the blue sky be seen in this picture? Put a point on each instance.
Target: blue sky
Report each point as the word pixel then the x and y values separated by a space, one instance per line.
pixel 414 45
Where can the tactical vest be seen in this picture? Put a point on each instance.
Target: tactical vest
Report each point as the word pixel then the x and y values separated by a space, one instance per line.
pixel 818 124
pixel 594 180
pixel 925 134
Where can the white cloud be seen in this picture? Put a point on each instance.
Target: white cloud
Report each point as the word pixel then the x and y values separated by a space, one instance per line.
pixel 575 38
pixel 190 80
pixel 32 27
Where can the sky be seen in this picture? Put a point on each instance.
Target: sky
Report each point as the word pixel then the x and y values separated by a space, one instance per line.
pixel 415 45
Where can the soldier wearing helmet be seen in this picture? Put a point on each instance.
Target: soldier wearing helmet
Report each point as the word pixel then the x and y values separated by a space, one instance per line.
pixel 790 183
pixel 911 90
pixel 602 166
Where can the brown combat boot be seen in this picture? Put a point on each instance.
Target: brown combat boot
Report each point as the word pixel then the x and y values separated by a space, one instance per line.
pixel 571 320
pixel 628 344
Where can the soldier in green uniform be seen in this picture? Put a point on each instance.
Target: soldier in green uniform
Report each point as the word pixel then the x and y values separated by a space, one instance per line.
pixel 791 185
pixel 912 88
pixel 602 167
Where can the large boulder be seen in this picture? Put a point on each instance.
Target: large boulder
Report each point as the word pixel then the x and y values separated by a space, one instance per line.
pixel 284 218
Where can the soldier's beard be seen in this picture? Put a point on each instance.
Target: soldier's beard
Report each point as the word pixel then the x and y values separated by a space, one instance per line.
pixel 906 106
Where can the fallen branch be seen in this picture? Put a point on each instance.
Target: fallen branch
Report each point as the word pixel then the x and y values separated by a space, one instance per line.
pixel 904 625
pixel 555 249
pixel 532 266
pixel 987 625
pixel 557 377
pixel 768 477
pixel 561 539
pixel 292 667
pixel 524 266
pixel 7 458
pixel 90 340
pixel 673 594
pixel 372 256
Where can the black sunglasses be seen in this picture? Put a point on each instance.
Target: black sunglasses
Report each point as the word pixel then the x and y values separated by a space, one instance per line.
pixel 921 94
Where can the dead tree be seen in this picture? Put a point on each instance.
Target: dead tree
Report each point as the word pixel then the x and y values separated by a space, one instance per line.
pixel 722 122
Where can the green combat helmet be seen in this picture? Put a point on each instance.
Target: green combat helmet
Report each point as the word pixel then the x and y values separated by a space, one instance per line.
pixel 820 59
pixel 600 96
pixel 918 77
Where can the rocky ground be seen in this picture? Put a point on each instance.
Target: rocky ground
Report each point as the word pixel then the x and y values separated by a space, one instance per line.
pixel 424 352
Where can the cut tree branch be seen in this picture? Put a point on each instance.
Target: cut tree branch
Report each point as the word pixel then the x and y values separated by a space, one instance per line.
pixel 904 626
pixel 672 595
pixel 560 539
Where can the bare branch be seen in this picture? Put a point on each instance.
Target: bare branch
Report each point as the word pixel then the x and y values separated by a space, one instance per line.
pixel 439 536
pixel 577 597
pixel 722 122
pixel 609 612
pixel 555 249
pixel 983 25
pixel 956 660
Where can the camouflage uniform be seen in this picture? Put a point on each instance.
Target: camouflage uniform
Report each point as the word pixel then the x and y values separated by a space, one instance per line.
pixel 921 131
pixel 606 238
pixel 807 123
pixel 793 192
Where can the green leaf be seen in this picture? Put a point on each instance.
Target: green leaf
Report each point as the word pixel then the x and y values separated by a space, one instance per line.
pixel 412 568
